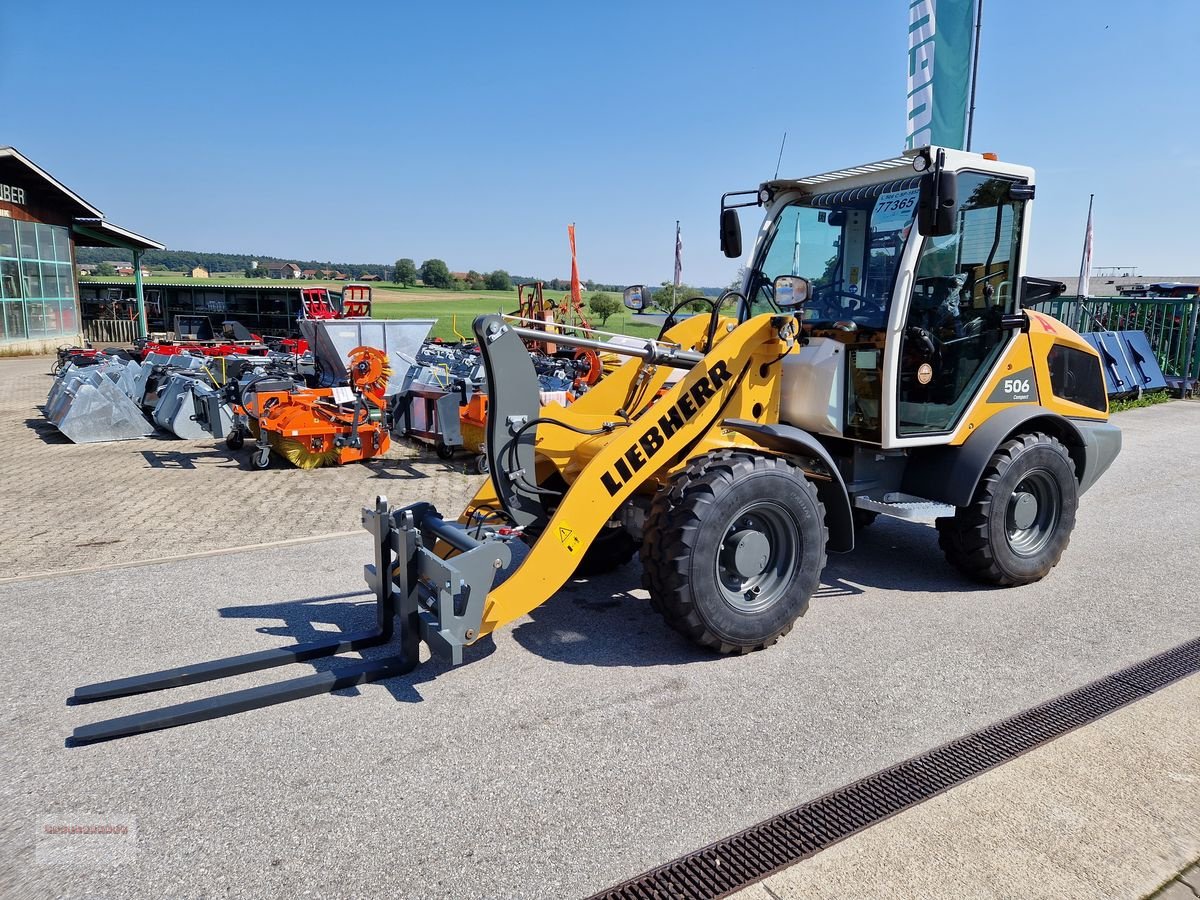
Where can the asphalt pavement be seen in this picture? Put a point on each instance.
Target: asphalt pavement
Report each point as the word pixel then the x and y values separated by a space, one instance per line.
pixel 586 743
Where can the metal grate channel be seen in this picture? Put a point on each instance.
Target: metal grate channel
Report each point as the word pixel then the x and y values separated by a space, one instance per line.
pixel 735 862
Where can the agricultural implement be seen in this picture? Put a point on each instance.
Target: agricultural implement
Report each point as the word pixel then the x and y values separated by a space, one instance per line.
pixel 313 427
pixel 880 363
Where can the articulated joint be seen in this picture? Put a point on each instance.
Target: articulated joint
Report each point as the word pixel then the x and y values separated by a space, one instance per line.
pixel 443 597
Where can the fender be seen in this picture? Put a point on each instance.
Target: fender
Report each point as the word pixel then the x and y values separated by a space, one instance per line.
pixel 833 495
pixel 951 474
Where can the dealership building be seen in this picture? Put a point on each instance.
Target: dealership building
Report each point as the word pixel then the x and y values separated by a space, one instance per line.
pixel 41 223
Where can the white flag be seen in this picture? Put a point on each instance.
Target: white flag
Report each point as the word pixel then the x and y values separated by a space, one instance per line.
pixel 1085 267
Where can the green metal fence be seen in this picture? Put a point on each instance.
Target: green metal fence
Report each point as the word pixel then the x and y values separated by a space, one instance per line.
pixel 1170 323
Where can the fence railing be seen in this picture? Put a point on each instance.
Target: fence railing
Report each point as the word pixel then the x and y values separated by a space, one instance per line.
pixel 111 331
pixel 1170 324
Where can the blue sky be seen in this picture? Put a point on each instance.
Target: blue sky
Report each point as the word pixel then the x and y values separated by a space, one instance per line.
pixel 475 132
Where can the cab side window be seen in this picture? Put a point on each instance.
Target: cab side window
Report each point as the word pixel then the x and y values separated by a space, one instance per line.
pixel 964 284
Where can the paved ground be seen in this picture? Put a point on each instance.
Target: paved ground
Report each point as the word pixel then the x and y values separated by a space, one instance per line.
pixel 1108 811
pixel 71 506
pixel 587 743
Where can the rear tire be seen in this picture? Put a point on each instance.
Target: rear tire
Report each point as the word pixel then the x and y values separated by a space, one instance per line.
pixel 734 549
pixel 1020 520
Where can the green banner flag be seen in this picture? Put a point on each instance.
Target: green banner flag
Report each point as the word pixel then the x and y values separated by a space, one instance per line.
pixel 939 71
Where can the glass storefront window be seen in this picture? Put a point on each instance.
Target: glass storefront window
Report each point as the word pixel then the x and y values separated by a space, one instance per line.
pixel 37 284
pixel 27 235
pixel 10 279
pixel 33 279
pixel 12 322
pixel 8 238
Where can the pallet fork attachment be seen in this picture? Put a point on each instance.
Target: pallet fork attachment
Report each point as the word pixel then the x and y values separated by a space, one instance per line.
pixel 439 601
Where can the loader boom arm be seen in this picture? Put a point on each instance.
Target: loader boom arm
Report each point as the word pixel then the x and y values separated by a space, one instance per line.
pixel 729 382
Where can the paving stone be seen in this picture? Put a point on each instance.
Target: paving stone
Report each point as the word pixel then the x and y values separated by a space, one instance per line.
pixel 1191 877
pixel 1176 890
pixel 70 506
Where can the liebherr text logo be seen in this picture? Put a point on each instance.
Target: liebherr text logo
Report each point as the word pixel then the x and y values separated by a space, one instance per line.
pixel 922 27
pixel 679 414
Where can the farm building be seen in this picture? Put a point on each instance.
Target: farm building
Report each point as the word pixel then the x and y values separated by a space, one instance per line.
pixel 41 223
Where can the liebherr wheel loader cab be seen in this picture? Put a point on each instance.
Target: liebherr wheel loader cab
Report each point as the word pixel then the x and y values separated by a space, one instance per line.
pixel 920 373
pixel 879 362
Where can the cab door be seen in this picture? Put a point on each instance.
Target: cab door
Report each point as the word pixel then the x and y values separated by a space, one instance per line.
pixel 963 284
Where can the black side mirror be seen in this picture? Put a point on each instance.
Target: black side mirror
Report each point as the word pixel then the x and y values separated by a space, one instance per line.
pixel 1039 290
pixel 635 297
pixel 791 291
pixel 731 234
pixel 937 203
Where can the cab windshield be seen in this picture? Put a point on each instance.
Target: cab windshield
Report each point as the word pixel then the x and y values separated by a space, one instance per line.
pixel 847 245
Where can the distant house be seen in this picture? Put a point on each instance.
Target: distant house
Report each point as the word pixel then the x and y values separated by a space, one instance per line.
pixel 200 272
pixel 282 270
pixel 86 268
pixel 367 276
pixel 309 273
pixel 461 276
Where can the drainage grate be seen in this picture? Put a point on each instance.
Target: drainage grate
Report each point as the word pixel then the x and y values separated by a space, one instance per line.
pixel 735 862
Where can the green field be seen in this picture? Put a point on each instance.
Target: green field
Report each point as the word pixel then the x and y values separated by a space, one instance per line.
pixel 457 309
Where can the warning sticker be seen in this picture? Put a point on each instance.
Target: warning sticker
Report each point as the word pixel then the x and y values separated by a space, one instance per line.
pixel 569 538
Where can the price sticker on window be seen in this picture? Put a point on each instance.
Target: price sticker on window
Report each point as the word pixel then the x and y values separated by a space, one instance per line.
pixel 894 209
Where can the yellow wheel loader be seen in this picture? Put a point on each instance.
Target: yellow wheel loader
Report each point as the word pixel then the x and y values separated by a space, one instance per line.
pixel 876 361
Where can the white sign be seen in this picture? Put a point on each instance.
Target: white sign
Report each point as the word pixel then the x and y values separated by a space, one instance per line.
pixel 894 209
pixel 11 194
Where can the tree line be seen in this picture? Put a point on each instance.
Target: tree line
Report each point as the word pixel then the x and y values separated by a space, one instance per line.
pixel 186 260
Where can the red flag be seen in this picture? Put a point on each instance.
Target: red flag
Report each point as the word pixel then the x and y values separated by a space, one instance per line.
pixel 576 293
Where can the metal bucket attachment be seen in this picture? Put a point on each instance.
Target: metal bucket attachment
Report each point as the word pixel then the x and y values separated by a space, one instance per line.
pixel 1119 377
pixel 88 407
pixel 332 340
pixel 176 408
pixel 1142 361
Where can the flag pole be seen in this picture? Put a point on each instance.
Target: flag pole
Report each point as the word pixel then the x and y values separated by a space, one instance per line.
pixel 974 73
pixel 675 279
pixel 1085 264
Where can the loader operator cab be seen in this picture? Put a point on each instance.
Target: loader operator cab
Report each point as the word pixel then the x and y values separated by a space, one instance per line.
pixel 855 237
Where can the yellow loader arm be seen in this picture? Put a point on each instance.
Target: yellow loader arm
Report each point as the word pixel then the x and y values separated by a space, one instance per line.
pixel 443 572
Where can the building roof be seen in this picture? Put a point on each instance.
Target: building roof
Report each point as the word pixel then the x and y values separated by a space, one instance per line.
pixel 116 235
pixel 103 233
pixel 255 285
pixel 72 198
pixel 1109 286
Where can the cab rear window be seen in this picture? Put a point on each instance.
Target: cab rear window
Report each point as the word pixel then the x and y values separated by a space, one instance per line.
pixel 1076 376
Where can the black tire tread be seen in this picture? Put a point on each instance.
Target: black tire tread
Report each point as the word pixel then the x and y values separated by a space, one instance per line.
pixel 964 537
pixel 670 531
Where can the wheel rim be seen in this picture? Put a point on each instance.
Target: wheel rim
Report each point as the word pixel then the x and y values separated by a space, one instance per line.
pixel 757 557
pixel 1034 510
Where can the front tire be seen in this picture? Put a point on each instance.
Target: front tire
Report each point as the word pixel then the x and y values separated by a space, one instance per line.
pixel 1020 520
pixel 734 549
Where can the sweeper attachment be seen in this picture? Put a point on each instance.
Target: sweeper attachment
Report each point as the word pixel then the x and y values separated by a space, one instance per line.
pixel 877 361
pixel 311 427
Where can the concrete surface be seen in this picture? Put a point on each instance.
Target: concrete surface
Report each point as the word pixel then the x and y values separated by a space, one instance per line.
pixel 1107 811
pixel 1184 886
pixel 587 743
pixel 73 506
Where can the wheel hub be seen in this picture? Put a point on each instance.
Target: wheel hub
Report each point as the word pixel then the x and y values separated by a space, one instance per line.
pixel 746 552
pixel 1024 509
